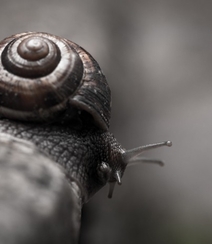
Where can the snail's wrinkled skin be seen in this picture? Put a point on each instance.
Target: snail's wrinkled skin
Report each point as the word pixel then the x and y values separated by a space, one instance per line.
pixel 79 152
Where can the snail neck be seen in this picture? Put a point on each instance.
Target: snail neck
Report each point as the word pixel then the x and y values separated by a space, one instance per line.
pixel 79 152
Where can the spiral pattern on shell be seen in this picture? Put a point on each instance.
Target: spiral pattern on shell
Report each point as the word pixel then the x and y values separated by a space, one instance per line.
pixel 42 75
pixel 37 56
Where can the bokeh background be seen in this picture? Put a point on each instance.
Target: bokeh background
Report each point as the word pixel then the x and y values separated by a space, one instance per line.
pixel 157 56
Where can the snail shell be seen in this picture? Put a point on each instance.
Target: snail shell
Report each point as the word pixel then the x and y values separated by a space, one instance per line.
pixel 42 76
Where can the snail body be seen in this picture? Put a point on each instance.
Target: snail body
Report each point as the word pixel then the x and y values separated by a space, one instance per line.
pixel 48 85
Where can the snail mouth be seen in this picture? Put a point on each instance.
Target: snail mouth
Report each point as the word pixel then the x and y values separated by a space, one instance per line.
pixel 107 174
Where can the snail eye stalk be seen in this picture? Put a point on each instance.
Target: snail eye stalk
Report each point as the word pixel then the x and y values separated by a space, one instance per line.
pixel 131 157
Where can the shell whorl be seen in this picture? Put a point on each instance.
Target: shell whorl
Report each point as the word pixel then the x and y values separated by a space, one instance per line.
pixel 31 57
pixel 34 48
pixel 42 75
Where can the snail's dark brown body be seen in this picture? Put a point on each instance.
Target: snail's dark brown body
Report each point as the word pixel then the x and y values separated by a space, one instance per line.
pixel 54 94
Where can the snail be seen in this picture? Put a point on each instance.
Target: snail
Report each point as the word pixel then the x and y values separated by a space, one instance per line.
pixel 54 94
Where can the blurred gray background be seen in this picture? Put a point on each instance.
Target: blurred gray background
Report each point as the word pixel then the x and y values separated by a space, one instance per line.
pixel 157 57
